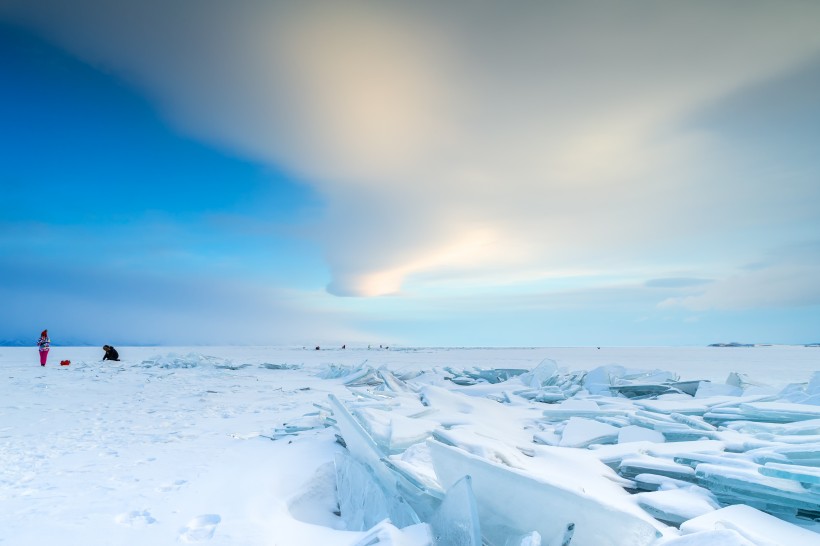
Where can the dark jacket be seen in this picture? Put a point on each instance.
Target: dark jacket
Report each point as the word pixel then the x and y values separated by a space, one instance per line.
pixel 111 354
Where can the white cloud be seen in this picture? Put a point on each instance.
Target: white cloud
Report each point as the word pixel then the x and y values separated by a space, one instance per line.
pixel 781 286
pixel 787 277
pixel 523 136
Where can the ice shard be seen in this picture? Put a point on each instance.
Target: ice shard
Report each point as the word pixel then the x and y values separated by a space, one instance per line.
pixel 541 375
pixel 366 452
pixel 492 376
pixel 456 522
pixel 512 499
pixel 363 501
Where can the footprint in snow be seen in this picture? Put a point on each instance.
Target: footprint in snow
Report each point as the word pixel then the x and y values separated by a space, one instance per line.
pixel 136 518
pixel 200 529
pixel 171 486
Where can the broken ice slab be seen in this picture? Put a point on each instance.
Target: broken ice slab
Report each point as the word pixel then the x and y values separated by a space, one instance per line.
pixel 744 382
pixel 364 449
pixel 363 501
pixel 672 429
pixel 648 376
pixel 509 498
pixel 635 433
pixel 755 526
pixel 655 482
pixel 611 455
pixel 807 454
pixel 803 474
pixel 707 389
pixel 480 444
pixel 393 432
pixel 770 412
pixel 547 384
pixel 684 406
pixel 733 484
pixel 674 506
pixel 496 392
pixel 547 395
pixel 335 371
pixel 780 412
pixel 650 384
pixel 456 521
pixel 692 421
pixel 722 458
pixel 308 421
pixel 393 383
pixel 581 408
pixel 783 439
pixel 803 393
pixel 364 377
pixel 291 430
pixel 645 390
pixel 641 464
pixel 417 477
pixel 454 408
pixel 581 432
pixel 271 366
pixel 601 379
pixel 798 428
pixel 541 375
pixel 493 375
pixel 686 387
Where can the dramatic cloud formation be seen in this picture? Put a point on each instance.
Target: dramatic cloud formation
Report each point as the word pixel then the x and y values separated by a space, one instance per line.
pixel 482 143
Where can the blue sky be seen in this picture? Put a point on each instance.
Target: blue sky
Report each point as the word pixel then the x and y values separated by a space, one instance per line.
pixel 413 174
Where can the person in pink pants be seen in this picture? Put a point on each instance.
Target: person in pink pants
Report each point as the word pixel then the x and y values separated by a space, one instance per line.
pixel 43 344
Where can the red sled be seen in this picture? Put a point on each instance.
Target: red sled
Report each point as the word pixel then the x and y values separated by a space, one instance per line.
pixel 65 363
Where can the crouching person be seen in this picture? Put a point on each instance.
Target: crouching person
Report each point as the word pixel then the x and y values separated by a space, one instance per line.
pixel 110 353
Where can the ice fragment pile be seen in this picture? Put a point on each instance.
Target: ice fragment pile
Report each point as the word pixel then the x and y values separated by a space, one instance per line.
pixel 613 456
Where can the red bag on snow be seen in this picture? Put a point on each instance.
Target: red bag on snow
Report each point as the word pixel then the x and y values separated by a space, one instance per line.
pixel 65 363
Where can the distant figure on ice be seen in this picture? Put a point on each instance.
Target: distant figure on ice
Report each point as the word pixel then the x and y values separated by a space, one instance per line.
pixel 43 344
pixel 110 353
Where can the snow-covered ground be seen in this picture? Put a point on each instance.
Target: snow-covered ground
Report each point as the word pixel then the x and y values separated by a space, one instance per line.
pixel 174 445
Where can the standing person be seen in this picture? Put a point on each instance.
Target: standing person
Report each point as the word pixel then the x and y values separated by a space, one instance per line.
pixel 43 343
pixel 110 353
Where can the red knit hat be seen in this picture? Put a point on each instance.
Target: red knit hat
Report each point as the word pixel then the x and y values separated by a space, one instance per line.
pixel 45 333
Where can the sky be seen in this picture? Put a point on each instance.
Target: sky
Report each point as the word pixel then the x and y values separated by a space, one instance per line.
pixel 423 173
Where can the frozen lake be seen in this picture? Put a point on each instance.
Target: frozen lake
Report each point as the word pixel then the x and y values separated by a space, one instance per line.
pixel 158 449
